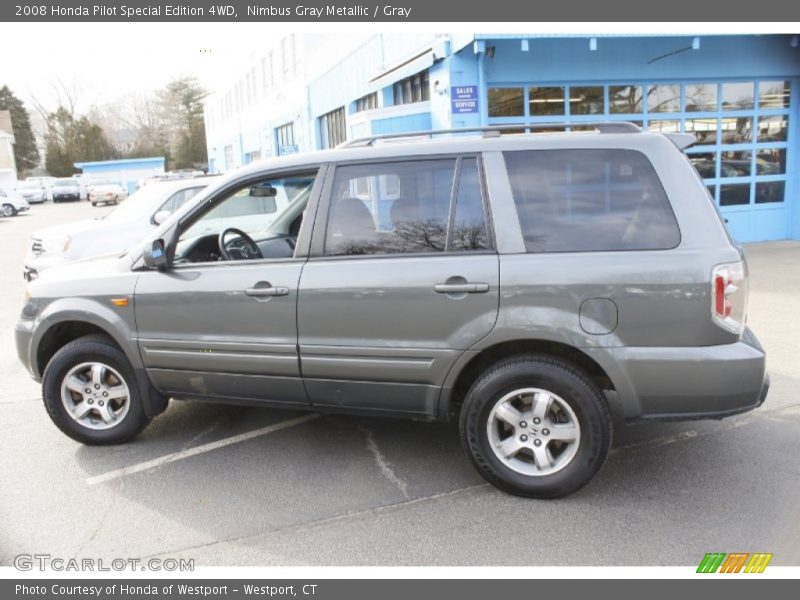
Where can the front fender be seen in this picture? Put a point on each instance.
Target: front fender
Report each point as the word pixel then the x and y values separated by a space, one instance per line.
pixel 118 322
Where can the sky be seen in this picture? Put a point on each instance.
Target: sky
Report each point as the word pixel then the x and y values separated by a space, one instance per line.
pixel 104 62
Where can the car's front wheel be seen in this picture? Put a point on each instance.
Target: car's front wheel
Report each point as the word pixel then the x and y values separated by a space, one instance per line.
pixel 8 210
pixel 536 426
pixel 91 394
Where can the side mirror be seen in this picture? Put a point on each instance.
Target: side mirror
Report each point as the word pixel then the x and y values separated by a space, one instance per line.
pixel 161 216
pixel 155 256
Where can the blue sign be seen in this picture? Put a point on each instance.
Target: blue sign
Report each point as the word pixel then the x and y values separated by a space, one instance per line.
pixel 464 99
pixel 285 149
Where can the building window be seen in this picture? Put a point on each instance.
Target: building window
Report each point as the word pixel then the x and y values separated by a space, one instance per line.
pixel 252 156
pixel 228 157
pixel 586 100
pixel 774 94
pixel 367 102
pixel 285 137
pixel 332 128
pixel 506 102
pixel 288 61
pixel 625 99
pixel 664 98
pixel 546 101
pixel 737 96
pixel 701 97
pixel 412 89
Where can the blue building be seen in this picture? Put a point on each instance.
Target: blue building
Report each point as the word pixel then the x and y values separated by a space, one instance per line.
pixel 128 172
pixel 739 95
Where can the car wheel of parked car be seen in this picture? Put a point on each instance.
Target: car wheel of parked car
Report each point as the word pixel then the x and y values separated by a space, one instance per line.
pixel 8 210
pixel 91 394
pixel 536 426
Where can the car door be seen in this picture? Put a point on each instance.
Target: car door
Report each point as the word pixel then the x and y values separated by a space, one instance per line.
pixel 403 278
pixel 225 330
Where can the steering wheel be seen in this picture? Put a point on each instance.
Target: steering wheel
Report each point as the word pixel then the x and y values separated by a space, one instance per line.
pixel 243 249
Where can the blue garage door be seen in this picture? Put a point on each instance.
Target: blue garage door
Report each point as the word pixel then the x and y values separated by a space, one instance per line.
pixel 745 146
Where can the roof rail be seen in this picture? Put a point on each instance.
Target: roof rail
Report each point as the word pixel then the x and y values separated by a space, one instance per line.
pixel 498 130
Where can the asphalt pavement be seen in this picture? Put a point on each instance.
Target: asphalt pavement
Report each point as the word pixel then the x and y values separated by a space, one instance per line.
pixel 246 486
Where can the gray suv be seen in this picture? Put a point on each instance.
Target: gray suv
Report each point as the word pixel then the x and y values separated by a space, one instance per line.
pixel 538 288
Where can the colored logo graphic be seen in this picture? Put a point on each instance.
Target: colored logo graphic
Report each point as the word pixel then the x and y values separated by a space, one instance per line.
pixel 735 562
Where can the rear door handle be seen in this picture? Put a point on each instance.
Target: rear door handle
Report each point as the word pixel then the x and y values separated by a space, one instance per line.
pixel 261 292
pixel 461 288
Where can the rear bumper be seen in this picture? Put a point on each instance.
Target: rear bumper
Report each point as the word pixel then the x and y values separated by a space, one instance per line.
pixel 705 382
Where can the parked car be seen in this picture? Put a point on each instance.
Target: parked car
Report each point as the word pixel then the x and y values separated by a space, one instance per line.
pixel 12 204
pixel 33 192
pixel 115 231
pixel 103 191
pixel 46 182
pixel 65 189
pixel 529 286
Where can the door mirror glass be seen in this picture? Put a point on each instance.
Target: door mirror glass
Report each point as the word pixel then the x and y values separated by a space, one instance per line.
pixel 161 216
pixel 155 256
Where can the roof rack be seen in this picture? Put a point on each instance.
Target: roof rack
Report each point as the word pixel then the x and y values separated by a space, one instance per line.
pixel 498 130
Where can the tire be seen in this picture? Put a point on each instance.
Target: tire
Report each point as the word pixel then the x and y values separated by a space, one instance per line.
pixel 92 429
pixel 94 204
pixel 576 408
pixel 8 210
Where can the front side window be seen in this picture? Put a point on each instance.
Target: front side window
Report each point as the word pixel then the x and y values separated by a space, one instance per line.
pixel 590 201
pixel 253 209
pixel 405 207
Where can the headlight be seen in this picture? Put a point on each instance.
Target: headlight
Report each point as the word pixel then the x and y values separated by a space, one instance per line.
pixel 57 245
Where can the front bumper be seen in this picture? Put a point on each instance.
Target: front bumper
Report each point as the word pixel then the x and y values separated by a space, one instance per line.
pixel 704 382
pixel 23 335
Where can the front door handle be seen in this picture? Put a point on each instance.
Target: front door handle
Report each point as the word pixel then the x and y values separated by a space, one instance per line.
pixel 461 288
pixel 262 292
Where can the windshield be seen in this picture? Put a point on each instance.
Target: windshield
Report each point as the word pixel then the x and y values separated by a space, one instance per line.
pixel 141 202
pixel 65 183
pixel 100 182
pixel 29 185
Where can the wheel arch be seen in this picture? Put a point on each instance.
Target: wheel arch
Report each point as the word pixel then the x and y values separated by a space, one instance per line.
pixel 465 374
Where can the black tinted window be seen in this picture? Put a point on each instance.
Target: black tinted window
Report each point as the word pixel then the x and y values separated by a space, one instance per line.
pixel 590 200
pixel 390 208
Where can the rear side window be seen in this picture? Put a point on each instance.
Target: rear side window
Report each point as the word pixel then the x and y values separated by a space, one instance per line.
pixel 408 207
pixel 590 201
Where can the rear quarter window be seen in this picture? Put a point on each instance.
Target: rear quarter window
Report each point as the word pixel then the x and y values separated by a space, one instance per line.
pixel 590 200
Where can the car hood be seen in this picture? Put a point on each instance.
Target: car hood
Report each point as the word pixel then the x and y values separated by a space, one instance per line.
pixel 76 278
pixel 70 229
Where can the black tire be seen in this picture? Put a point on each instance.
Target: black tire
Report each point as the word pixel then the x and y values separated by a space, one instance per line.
pixel 86 349
pixel 574 387
pixel 9 211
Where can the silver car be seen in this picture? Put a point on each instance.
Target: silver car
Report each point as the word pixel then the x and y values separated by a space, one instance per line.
pixel 111 233
pixel 33 192
pixel 528 286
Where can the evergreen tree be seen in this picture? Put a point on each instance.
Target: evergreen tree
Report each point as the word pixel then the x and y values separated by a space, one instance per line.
pixel 26 154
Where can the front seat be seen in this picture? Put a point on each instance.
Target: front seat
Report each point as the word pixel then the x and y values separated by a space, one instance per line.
pixel 353 228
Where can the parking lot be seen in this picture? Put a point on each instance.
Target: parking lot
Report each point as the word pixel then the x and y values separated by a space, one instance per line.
pixel 247 486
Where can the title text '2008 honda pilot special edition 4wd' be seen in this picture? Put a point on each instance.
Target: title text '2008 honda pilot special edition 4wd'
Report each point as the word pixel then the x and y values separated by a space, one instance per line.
pixel 529 285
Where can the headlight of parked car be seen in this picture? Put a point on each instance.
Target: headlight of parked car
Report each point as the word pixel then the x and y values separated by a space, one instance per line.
pixel 57 245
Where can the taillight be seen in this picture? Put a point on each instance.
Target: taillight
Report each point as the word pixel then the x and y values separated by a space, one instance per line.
pixel 729 296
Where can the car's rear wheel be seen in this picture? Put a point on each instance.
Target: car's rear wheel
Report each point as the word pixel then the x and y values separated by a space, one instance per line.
pixel 8 210
pixel 536 426
pixel 91 394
